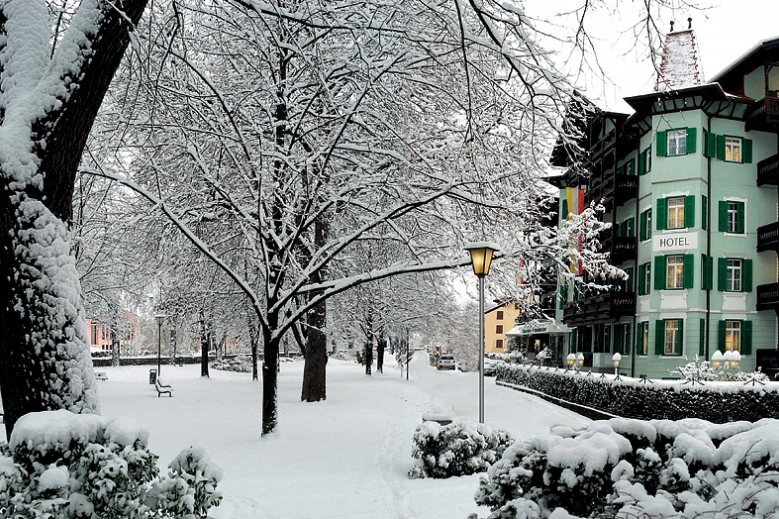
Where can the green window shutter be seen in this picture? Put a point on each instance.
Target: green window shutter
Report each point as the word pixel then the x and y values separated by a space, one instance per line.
pixel 642 226
pixel 723 216
pixel 641 278
pixel 641 164
pixel 648 153
pixel 704 272
pixel 692 138
pixel 618 339
pixel 721 147
pixel 688 270
pixel 659 337
pixel 662 144
pixel 722 274
pixel 689 211
pixel 704 212
pixel 662 213
pixel 660 272
pixel 747 151
pixel 632 228
pixel 626 342
pixel 746 280
pixel 564 215
pixel 710 145
pixel 740 217
pixel 708 281
pixel 621 170
pixel 679 346
pixel 649 274
pixel 721 335
pixel 632 166
pixel 746 337
pixel 702 339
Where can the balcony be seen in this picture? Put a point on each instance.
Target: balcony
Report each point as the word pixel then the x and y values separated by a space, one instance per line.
pixel 768 238
pixel 602 308
pixel 763 115
pixel 768 297
pixel 624 248
pixel 768 171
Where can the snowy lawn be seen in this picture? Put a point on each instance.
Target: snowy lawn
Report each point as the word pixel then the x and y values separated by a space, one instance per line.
pixel 347 457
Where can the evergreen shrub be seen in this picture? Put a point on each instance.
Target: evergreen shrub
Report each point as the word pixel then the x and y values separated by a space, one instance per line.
pixel 456 449
pixel 63 465
pixel 717 402
pixel 632 469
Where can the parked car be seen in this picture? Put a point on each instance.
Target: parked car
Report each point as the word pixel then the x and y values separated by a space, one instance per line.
pixel 490 367
pixel 446 362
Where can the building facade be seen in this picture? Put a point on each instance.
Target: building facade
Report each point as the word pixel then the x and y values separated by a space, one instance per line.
pixel 498 320
pixel 689 183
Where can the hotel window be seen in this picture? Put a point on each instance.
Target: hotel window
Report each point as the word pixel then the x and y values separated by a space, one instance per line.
pixel 645 161
pixel 674 272
pixel 644 278
pixel 668 339
pixel 729 148
pixel 734 275
pixel 499 315
pixel 735 336
pixel 677 142
pixel 499 328
pixel 645 225
pixel 642 338
pixel 672 143
pixel 732 149
pixel 499 344
pixel 676 212
pixel 732 216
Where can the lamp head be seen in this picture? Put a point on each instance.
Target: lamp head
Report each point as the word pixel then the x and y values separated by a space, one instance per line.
pixel 481 256
pixel 160 319
pixel 570 359
pixel 615 359
pixel 716 359
pixel 580 358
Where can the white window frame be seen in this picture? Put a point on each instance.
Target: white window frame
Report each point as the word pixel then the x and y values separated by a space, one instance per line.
pixel 735 275
pixel 674 272
pixel 647 281
pixel 671 337
pixel 644 351
pixel 676 143
pixel 677 221
pixel 733 149
pixel 733 335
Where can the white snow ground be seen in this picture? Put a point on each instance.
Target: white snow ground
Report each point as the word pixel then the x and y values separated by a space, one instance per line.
pixel 343 458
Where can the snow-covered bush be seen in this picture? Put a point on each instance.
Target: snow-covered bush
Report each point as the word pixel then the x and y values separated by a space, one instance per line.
pixel 237 364
pixel 63 465
pixel 631 468
pixel 703 371
pixel 456 449
pixel 717 402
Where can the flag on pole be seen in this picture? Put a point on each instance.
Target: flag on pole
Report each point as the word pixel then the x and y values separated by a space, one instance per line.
pixel 575 198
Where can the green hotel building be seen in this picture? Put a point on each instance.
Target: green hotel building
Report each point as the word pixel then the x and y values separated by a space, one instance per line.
pixel 689 182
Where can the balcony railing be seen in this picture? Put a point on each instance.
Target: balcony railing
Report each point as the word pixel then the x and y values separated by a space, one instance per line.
pixel 768 237
pixel 763 115
pixel 768 171
pixel 768 297
pixel 601 308
pixel 623 249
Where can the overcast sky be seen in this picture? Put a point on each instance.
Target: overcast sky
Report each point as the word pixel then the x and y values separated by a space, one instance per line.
pixel 726 30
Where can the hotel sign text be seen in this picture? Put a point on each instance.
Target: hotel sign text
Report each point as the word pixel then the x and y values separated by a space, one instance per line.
pixel 674 242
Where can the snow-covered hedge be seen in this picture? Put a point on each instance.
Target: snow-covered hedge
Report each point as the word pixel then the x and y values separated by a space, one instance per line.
pixel 456 449
pixel 631 469
pixel 717 402
pixel 237 364
pixel 62 465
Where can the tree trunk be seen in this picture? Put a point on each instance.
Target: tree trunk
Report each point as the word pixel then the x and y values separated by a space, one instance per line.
pixel 380 355
pixel 44 359
pixel 253 342
pixel 173 344
pixel 314 372
pixel 115 346
pixel 270 364
pixel 205 339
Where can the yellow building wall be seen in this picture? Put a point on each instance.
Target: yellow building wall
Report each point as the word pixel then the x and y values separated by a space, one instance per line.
pixel 495 337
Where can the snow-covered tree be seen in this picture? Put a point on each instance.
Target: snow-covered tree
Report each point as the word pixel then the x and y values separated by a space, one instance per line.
pixel 55 67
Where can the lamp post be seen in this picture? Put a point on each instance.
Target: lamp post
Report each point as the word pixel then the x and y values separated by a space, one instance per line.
pixel 160 319
pixel 615 359
pixel 481 258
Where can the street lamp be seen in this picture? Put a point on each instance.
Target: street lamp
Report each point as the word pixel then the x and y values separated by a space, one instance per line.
pixel 160 319
pixel 732 358
pixel 716 359
pixel 570 359
pixel 481 258
pixel 580 359
pixel 615 359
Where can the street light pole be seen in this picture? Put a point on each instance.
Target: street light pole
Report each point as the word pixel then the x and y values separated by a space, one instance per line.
pixel 160 318
pixel 481 258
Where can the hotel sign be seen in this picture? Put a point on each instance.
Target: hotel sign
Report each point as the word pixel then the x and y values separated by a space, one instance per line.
pixel 675 242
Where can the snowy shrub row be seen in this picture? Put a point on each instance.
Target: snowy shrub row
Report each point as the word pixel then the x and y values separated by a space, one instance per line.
pixel 717 402
pixel 456 449
pixel 237 364
pixel 631 468
pixel 63 465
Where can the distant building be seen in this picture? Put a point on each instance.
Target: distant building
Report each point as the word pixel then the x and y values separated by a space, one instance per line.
pixel 99 334
pixel 497 321
pixel 689 182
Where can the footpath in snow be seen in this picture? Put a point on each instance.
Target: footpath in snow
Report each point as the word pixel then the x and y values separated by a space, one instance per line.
pixel 347 457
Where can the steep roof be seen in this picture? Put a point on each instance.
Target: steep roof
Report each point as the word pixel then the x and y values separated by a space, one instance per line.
pixel 681 64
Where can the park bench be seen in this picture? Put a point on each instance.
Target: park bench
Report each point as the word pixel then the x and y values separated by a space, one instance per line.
pixel 162 388
pixel 101 375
